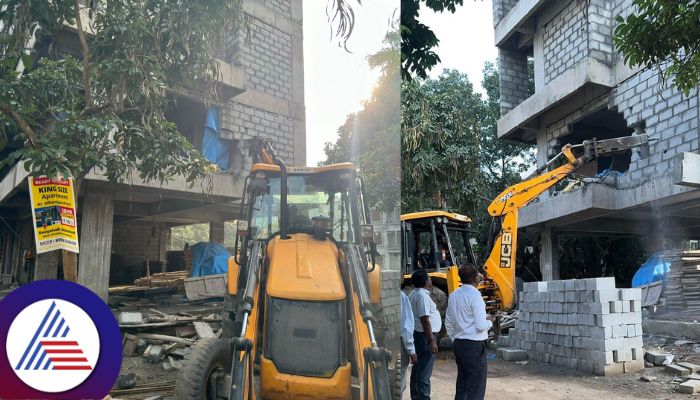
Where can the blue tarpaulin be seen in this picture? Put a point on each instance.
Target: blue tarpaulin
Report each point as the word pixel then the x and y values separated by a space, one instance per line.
pixel 214 148
pixel 654 269
pixel 209 258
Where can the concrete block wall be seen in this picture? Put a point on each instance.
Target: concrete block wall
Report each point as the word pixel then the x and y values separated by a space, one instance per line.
pixel 265 56
pixel 643 98
pixel 268 48
pixel 669 116
pixel 583 324
pixel 391 302
pixel 501 8
pixel 600 23
pixel 282 7
pixel 248 121
pixel 513 82
pixel 565 40
pixel 134 242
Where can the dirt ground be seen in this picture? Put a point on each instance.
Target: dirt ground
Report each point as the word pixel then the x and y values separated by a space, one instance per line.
pixel 536 381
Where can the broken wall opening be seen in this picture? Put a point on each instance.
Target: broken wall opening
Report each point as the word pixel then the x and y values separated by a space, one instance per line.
pixel 601 124
pixel 202 128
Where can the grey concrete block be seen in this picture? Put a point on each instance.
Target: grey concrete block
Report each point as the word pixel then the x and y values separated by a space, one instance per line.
pixel 606 295
pixel 690 386
pixel 678 370
pixel 688 365
pixel 635 306
pixel 658 357
pixel 599 307
pixel 616 306
pixel 609 370
pixel 625 306
pixel 511 354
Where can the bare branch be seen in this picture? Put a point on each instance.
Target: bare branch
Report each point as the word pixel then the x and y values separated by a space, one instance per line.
pixel 86 55
pixel 21 123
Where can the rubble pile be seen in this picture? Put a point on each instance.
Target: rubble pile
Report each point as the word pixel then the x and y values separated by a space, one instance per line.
pixel 157 334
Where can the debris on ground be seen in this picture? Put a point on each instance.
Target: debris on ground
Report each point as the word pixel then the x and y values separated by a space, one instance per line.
pixel 658 357
pixel 126 381
pixel 159 326
pixel 645 378
pixel 166 388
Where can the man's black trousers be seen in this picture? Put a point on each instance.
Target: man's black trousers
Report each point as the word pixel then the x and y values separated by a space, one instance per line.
pixel 423 368
pixel 470 357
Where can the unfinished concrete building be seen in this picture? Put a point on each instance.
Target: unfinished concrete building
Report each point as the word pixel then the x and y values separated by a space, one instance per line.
pixel 583 90
pixel 121 226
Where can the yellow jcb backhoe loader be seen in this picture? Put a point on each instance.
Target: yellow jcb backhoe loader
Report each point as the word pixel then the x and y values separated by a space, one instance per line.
pixel 438 241
pixel 301 305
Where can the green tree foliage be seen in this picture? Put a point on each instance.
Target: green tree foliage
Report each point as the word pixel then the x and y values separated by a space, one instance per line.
pixel 660 32
pixel 417 39
pixel 451 157
pixel 102 104
pixel 183 235
pixel 370 137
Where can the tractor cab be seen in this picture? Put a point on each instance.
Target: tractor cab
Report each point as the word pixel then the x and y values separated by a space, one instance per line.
pixel 435 241
pixel 439 242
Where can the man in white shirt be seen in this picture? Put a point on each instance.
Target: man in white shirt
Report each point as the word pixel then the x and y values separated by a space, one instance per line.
pixel 408 350
pixel 468 325
pixel 427 324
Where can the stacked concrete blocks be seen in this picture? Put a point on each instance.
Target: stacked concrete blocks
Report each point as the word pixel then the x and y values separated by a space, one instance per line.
pixel 391 302
pixel 584 324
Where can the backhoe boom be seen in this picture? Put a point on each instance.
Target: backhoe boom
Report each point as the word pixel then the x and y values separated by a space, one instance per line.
pixel 500 265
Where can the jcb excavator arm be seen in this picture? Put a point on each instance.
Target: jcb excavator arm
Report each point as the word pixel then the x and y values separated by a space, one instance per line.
pixel 500 266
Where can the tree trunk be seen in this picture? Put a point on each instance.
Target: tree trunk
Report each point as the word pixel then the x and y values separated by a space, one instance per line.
pixel 70 265
pixel 70 259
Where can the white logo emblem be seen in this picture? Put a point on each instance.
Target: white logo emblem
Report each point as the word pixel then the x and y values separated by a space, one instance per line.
pixel 53 345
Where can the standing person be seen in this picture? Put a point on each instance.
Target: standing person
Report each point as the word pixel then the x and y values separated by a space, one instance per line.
pixel 427 325
pixel 468 326
pixel 408 350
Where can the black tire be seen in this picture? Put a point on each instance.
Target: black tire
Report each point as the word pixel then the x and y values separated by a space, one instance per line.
pixel 209 358
pixel 396 382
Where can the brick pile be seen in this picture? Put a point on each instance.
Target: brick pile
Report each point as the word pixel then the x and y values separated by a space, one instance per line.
pixel 583 324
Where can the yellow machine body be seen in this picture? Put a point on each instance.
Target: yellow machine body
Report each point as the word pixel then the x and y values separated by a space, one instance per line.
pixel 232 276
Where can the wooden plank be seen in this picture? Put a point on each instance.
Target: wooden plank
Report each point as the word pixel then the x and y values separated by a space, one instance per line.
pixel 166 338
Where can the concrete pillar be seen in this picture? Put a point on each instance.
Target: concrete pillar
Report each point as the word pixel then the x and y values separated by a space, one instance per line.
pixel 298 108
pixel 96 241
pixel 549 255
pixel 46 265
pixel 163 246
pixel 216 232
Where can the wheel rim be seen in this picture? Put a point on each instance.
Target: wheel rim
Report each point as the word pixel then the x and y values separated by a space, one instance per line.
pixel 213 381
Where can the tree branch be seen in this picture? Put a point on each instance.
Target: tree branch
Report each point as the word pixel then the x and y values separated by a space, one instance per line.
pixel 86 55
pixel 21 123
